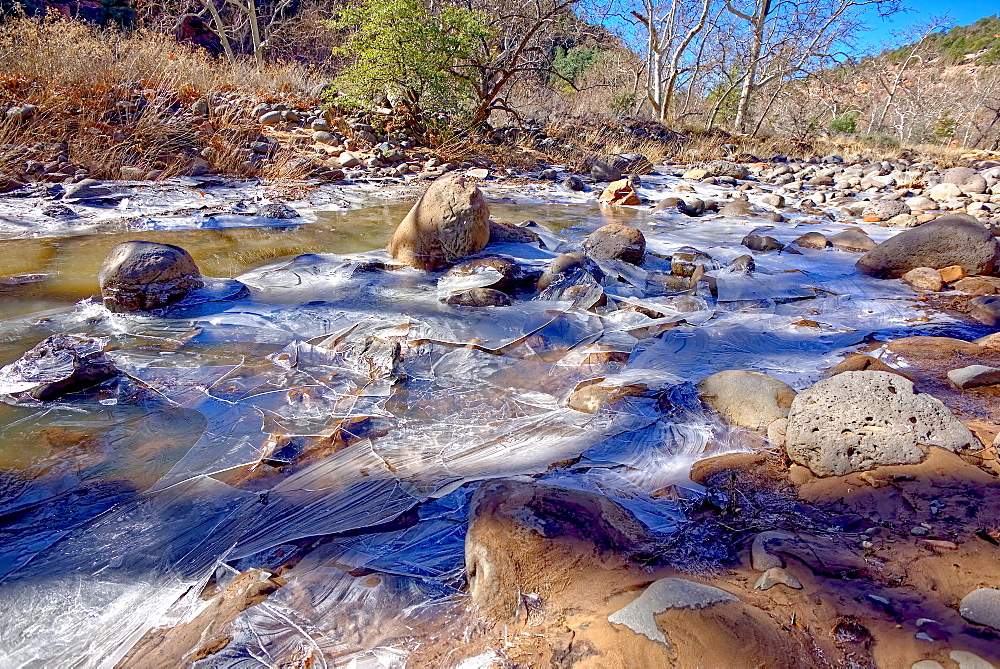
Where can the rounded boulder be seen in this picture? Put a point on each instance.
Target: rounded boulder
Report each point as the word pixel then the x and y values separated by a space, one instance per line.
pixel 748 399
pixel 956 239
pixel 449 222
pixel 139 276
pixel 616 242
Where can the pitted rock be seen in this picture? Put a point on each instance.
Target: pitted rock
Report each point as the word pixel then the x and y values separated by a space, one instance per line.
pixel 857 421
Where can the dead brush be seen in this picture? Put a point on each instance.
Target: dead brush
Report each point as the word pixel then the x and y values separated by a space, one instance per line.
pixel 120 99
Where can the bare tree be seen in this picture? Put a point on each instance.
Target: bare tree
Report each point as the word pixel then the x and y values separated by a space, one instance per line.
pixel 786 37
pixel 670 28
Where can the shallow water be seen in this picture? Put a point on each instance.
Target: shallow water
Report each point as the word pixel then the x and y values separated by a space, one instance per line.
pixel 246 426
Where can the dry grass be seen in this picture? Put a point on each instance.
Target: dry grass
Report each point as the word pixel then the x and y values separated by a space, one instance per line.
pixel 124 98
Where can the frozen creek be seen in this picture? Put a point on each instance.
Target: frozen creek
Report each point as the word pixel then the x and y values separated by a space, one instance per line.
pixel 246 426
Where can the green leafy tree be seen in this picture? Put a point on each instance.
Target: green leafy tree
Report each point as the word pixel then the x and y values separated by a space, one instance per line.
pixel 400 49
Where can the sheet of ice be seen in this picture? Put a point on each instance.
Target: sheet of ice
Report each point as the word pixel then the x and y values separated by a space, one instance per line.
pixel 396 404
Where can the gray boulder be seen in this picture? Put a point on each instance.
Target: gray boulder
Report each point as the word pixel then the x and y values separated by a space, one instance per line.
pixel 726 168
pixel 982 606
pixel 139 276
pixel 885 209
pixel 857 421
pixel 956 239
pixel 601 171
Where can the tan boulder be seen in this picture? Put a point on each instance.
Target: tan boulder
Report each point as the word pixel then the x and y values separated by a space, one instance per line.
pixel 748 399
pixel 620 192
pixel 449 222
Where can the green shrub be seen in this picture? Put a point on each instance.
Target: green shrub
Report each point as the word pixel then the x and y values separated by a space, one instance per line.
pixel 846 122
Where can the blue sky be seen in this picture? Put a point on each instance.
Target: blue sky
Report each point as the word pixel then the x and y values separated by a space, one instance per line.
pixel 962 13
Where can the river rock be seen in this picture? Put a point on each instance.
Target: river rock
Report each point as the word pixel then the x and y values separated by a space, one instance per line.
pixel 480 297
pixel 560 265
pixel 757 241
pixel 812 240
pixel 974 376
pixel 924 278
pixel 859 362
pixel 852 239
pixel 979 285
pixel 348 159
pixel 982 607
pixel 620 192
pixel 726 168
pixel 502 232
pixel 278 210
pixel 944 192
pixel 601 171
pixel 956 239
pixel 857 421
pixel 883 210
pixel 748 399
pixel 573 182
pixel 967 179
pixel 59 365
pixel 590 395
pixel 511 276
pixel 449 222
pixel 88 189
pixel 525 537
pixel 773 200
pixel 139 276
pixel 270 118
pixel 616 242
pixel 985 309
pixel 737 208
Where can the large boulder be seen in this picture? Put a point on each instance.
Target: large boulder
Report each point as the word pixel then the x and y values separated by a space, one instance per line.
pixel 857 421
pixel 139 276
pixel 967 179
pixel 449 222
pixel 956 239
pixel 749 399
